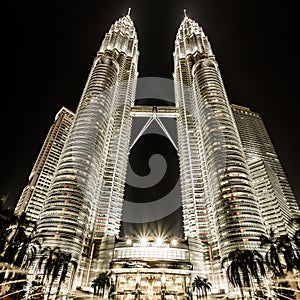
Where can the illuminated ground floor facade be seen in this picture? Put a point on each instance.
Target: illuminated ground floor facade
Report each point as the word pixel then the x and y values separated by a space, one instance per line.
pixel 151 284
pixel 148 268
pixel 151 269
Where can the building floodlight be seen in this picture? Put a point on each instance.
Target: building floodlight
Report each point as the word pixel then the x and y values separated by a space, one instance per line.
pixel 159 241
pixel 144 241
pixel 174 242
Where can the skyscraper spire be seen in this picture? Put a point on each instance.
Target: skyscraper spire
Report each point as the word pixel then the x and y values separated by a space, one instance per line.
pixel 184 11
pixel 190 38
pixel 122 37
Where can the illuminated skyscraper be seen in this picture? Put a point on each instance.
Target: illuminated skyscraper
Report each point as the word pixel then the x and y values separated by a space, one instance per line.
pixel 35 192
pixel 219 206
pixel 82 212
pixel 277 200
pixel 85 199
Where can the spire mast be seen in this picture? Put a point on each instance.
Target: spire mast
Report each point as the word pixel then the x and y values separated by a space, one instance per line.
pixel 184 11
pixel 129 10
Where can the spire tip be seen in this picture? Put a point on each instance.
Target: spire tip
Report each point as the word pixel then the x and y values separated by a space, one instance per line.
pixel 184 11
pixel 128 13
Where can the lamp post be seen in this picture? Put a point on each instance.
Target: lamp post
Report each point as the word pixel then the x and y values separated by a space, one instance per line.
pixel 163 286
pixel 112 290
pixel 188 287
pixel 137 286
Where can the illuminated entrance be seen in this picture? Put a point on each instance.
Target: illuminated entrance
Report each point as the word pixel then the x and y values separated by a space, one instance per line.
pixel 151 269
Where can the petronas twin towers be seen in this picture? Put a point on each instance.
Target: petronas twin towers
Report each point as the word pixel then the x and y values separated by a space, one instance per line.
pixel 83 209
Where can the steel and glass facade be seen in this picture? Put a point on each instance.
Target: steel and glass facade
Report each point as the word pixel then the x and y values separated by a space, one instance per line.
pixel 85 199
pixel 217 195
pixel 35 192
pixel 276 197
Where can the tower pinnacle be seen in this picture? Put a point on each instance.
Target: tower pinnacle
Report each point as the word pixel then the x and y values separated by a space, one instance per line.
pixel 184 11
pixel 129 10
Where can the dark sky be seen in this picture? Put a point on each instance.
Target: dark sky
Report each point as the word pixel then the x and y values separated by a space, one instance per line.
pixel 49 47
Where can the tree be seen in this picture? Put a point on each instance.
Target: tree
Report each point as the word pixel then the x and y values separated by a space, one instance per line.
pixel 57 263
pixel 49 255
pixel 206 286
pixel 15 241
pixel 18 240
pixel 31 252
pixel 291 254
pixel 65 260
pixel 234 270
pixel 95 284
pixel 296 239
pixel 197 286
pixel 290 251
pixel 296 236
pixel 282 245
pixel 244 267
pixel 100 283
pixel 56 266
pixel 7 218
pixel 27 248
pixel 272 255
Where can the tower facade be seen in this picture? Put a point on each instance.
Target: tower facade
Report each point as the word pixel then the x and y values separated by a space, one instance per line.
pixel 277 200
pixel 85 199
pixel 35 192
pixel 218 199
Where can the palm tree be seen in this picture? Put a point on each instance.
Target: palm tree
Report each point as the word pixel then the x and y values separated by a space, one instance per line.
pixel 255 263
pixel 272 255
pixel 235 269
pixel 244 267
pixel 95 285
pixel 112 290
pixel 18 241
pixel 66 260
pixel 7 218
pixel 50 256
pixel 288 248
pixel 104 282
pixel 290 251
pixel 206 286
pixel 291 255
pixel 34 246
pixel 57 264
pixel 101 282
pixel 296 236
pixel 15 241
pixel 28 243
pixel 197 285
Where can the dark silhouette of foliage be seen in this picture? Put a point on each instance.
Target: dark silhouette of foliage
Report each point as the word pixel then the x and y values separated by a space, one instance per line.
pixel 201 285
pixel 7 218
pixel 100 283
pixel 244 265
pixel 272 255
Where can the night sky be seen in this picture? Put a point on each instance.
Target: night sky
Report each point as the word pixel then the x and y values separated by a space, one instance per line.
pixel 49 47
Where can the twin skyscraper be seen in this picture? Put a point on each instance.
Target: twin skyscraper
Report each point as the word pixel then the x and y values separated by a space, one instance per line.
pixel 224 205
